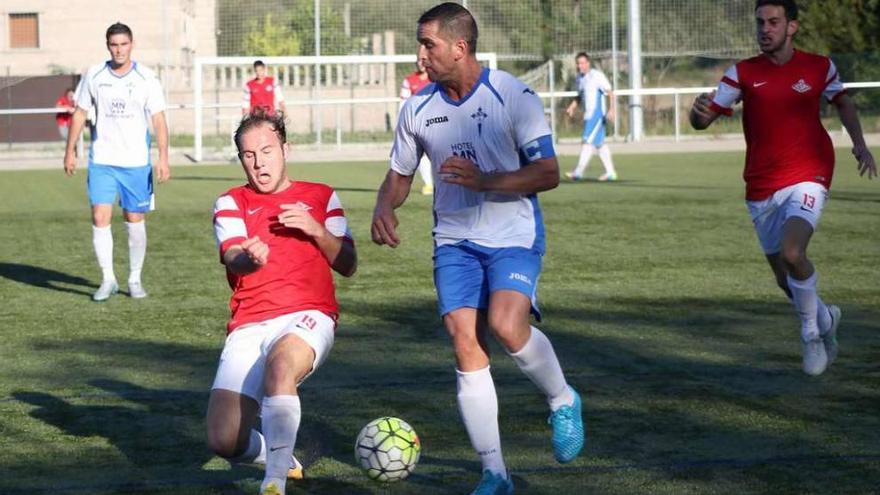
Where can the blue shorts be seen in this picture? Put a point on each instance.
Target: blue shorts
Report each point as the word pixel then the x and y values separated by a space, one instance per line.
pixel 465 274
pixel 133 185
pixel 594 129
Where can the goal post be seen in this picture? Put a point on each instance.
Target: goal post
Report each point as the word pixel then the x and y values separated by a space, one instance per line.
pixel 310 81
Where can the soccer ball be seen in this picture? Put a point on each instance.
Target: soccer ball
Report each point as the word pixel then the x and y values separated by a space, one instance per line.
pixel 387 449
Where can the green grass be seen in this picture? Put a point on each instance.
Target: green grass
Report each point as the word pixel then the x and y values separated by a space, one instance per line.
pixel 654 292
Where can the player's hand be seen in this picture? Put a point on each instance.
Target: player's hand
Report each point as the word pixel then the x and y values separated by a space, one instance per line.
pixel 461 171
pixel 69 163
pixel 703 104
pixel 163 171
pixel 384 228
pixel 297 217
pixel 569 111
pixel 865 161
pixel 256 250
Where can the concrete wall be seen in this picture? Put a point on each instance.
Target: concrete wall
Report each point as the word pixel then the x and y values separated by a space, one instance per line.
pixel 168 33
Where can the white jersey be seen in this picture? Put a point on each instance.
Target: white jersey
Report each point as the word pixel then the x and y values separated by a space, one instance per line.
pixel 501 127
pixel 123 106
pixel 593 87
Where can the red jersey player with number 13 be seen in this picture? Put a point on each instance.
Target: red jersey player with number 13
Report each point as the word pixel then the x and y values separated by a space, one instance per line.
pixel 789 160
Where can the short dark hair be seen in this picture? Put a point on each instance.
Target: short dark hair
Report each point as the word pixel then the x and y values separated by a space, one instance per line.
pixel 455 20
pixel 791 8
pixel 118 28
pixel 258 118
pixel 259 63
pixel 582 54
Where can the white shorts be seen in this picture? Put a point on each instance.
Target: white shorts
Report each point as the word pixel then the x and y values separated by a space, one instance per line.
pixel 804 200
pixel 243 360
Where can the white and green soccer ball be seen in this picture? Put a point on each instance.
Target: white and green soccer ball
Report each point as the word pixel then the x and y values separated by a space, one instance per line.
pixel 387 449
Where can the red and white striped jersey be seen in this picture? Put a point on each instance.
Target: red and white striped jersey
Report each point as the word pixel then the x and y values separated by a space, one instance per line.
pixel 786 142
pixel 297 275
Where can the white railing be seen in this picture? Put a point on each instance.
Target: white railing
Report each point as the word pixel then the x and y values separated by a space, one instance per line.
pixel 339 103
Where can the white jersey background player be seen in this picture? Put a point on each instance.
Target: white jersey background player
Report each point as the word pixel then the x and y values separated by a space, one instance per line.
pixel 487 132
pixel 593 87
pixel 126 98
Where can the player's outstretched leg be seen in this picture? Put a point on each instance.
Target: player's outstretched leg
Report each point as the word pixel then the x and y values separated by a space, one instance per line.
pixel 281 417
pixel 538 361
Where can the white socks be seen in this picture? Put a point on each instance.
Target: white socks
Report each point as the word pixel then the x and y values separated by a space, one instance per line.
pixel 256 450
pixel 137 249
pixel 281 416
pixel 605 156
pixel 538 361
pixel 478 405
pixel 102 239
pixel 812 311
pixel 584 159
pixel 425 171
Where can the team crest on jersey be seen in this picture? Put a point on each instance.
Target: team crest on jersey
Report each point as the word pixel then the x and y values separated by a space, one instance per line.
pixel 268 87
pixel 801 86
pixel 479 116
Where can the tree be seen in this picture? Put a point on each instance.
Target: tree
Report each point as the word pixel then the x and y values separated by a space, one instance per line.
pixel 268 37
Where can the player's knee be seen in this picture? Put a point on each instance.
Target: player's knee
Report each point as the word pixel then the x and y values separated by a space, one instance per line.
pixel 505 327
pixel 793 256
pixel 224 443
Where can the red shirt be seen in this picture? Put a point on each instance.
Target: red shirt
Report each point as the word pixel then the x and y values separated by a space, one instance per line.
pixel 261 94
pixel 785 140
pixel 297 275
pixel 63 118
pixel 412 84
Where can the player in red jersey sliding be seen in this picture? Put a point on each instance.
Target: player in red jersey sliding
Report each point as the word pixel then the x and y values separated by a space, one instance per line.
pixel 279 239
pixel 789 160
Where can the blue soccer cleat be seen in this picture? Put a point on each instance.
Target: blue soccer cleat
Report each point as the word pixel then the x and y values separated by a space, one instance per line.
pixel 493 484
pixel 568 430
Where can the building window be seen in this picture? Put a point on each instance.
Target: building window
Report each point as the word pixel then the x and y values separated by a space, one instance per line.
pixel 24 31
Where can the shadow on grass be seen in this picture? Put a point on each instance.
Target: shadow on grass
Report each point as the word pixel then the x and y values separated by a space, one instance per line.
pixel 45 278
pixel 662 411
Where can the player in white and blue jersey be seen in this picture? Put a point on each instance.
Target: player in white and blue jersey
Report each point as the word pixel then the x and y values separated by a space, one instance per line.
pixel 126 98
pixel 491 148
pixel 593 88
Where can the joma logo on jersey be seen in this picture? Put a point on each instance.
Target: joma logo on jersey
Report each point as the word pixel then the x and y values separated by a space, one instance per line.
pixel 520 277
pixel 801 86
pixel 436 120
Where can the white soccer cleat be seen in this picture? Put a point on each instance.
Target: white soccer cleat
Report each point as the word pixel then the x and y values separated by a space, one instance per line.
pixel 136 290
pixel 607 177
pixel 107 289
pixel 829 338
pixel 815 359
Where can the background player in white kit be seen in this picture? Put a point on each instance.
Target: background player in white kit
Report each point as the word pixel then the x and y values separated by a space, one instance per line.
pixel 127 98
pixel 279 240
pixel 488 132
pixel 593 87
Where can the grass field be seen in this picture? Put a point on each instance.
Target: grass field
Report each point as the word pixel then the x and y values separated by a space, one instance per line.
pixel 654 292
